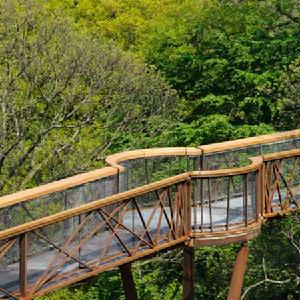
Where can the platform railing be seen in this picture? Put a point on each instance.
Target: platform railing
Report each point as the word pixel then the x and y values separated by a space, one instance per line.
pixel 281 182
pixel 48 199
pixel 98 236
pixel 94 237
pixel 132 169
pixel 65 231
pixel 226 204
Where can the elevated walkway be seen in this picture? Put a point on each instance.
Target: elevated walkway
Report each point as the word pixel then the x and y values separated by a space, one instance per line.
pixel 145 201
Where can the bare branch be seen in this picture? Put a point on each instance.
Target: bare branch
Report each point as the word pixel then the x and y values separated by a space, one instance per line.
pixel 265 280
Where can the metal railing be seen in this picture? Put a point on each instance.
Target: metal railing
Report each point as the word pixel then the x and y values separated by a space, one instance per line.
pixel 148 200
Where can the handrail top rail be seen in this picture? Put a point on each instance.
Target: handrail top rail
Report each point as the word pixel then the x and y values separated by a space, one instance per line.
pixel 117 158
pixel 56 186
pixel 114 169
pixel 80 179
pixel 60 185
pixel 281 154
pixel 256 163
pixel 249 142
pixel 96 204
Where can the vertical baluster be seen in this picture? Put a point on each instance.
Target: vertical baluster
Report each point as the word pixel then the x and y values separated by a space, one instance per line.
pixel 209 203
pixel 253 187
pixel 147 177
pixel 245 192
pixel 228 204
pixel 79 237
pixel 171 167
pixel 180 164
pixel 126 174
pixel 202 201
pixel 196 192
pixel 201 167
pixel 187 161
pixel 188 206
pixel 117 182
pixel 258 192
pixel 146 171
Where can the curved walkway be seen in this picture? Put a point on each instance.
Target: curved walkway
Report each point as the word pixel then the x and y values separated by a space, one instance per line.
pixel 146 201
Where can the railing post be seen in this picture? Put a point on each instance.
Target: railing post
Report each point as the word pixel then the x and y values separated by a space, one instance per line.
pixel 23 265
pixel 262 175
pixel 188 273
pixel 188 206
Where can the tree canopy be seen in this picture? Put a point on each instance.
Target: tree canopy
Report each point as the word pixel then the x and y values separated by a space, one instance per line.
pixel 83 78
pixel 68 98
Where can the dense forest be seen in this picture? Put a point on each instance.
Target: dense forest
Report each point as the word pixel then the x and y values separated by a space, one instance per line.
pixel 81 79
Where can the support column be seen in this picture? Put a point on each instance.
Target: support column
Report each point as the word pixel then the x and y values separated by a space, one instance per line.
pixel 238 273
pixel 128 282
pixel 188 273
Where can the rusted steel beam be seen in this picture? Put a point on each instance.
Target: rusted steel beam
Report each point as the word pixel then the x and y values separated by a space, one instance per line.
pixel 127 229
pixel 287 185
pixel 81 264
pixel 170 201
pixel 238 273
pixel 162 198
pixel 128 282
pixel 7 293
pixel 188 273
pixel 98 269
pixel 6 247
pixel 114 231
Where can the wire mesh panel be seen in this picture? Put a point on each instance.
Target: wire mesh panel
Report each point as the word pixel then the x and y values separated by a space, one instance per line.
pixel 37 208
pixel 224 203
pixel 280 146
pixel 144 170
pixel 282 184
pixel 240 157
pixel 229 159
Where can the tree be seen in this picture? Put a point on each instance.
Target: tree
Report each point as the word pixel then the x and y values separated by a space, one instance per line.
pixel 68 98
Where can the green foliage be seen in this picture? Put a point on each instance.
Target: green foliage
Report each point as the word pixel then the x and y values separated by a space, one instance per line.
pixel 70 95
pixel 230 61
pixel 67 98
pixel 225 58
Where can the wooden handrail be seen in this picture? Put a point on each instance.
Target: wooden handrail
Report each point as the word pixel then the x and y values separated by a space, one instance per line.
pixel 250 142
pixel 85 208
pixel 115 159
pixel 255 165
pixel 77 180
pixel 281 155
pixel 115 168
pixel 56 186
